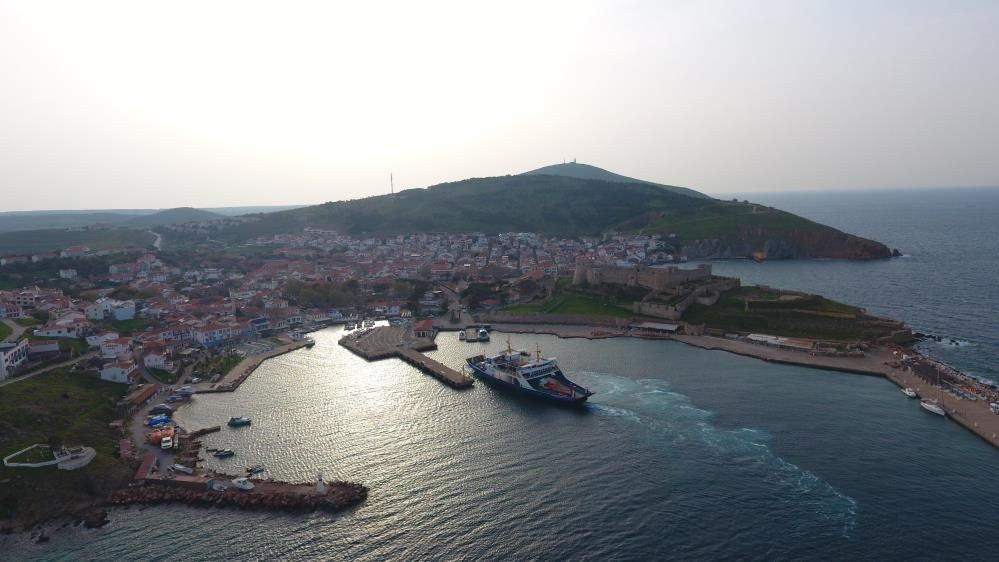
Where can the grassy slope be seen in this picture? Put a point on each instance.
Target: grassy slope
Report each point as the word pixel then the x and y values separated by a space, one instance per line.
pixel 77 408
pixel 569 300
pixel 39 241
pixel 778 317
pixel 4 331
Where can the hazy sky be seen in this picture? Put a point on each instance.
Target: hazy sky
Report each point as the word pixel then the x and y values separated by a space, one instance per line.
pixel 162 104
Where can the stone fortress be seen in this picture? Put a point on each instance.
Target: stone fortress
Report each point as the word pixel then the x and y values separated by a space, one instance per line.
pixel 693 285
pixel 656 278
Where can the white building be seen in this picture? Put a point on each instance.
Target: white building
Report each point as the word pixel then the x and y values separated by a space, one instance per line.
pixel 119 371
pixel 124 310
pixel 12 355
pixel 96 340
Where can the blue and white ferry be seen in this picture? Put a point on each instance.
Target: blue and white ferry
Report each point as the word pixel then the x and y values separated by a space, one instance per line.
pixel 537 375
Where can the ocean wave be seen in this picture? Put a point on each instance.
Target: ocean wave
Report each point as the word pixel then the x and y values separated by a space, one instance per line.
pixel 673 416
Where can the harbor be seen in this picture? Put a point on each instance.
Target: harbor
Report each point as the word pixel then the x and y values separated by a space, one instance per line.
pixel 384 342
pixel 154 484
pixel 247 366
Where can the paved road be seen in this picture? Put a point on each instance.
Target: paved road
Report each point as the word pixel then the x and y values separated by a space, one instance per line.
pixel 15 329
pixel 49 368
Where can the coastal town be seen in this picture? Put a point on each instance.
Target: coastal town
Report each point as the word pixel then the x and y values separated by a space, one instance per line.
pixel 166 324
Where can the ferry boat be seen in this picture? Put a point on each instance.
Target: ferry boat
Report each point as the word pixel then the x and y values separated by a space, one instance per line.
pixel 538 376
pixel 932 406
pixel 909 392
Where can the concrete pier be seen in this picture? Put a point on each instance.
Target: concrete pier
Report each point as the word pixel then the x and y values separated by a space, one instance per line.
pixel 394 341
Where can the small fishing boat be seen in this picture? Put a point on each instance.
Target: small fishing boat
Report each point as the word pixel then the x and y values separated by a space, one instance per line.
pixel 182 468
pixel 255 469
pixel 224 453
pixel 909 392
pixel 461 335
pixel 242 483
pixel 932 406
pixel 237 421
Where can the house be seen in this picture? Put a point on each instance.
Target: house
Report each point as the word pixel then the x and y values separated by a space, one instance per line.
pixel 95 340
pixel 9 260
pixel 211 334
pixel 120 371
pixel 124 310
pixel 67 273
pixel 12 356
pixel 424 329
pixel 157 359
pixel 118 347
pixel 58 331
pixel 99 310
pixel 10 310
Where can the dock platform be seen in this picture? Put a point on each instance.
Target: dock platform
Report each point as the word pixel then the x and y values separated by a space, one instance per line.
pixel 395 341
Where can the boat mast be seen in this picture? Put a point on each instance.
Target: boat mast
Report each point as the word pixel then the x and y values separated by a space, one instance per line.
pixel 509 349
pixel 539 352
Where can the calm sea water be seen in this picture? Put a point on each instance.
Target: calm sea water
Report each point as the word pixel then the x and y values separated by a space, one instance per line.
pixel 683 453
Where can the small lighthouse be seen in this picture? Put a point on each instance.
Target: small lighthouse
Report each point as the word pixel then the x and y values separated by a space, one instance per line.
pixel 320 484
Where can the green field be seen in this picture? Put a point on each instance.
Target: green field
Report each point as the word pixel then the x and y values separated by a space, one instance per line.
pixel 76 409
pixel 567 299
pixel 768 315
pixel 38 241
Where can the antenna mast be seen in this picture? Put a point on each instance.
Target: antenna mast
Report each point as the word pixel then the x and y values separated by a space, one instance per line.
pixel 392 183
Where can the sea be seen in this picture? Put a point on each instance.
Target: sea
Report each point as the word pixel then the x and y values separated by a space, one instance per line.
pixel 682 453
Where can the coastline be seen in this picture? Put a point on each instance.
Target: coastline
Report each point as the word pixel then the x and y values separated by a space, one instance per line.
pixel 880 361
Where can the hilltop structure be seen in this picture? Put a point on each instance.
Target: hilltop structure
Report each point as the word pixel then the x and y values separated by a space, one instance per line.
pixel 655 278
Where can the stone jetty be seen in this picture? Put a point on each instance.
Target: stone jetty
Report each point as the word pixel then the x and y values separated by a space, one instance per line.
pixel 385 342
pixel 266 494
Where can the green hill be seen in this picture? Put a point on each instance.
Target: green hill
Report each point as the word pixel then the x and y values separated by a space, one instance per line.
pixel 587 172
pixel 571 207
pixel 171 216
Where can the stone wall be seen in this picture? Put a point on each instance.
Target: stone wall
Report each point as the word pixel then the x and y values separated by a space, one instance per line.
pixel 654 278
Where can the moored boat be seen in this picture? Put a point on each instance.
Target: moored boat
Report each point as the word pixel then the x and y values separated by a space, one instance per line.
pixel 256 469
pixel 932 406
pixel 483 334
pixel 909 392
pixel 237 421
pixel 537 376
pixel 223 453
pixel 242 483
pixel 182 468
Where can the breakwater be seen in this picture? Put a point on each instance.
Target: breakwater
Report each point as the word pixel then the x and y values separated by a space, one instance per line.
pixel 265 495
pixel 392 341
pixel 247 366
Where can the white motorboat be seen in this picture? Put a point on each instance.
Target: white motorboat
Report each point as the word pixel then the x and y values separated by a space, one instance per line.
pixel 182 468
pixel 242 483
pixel 483 334
pixel 932 406
pixel 909 392
pixel 461 335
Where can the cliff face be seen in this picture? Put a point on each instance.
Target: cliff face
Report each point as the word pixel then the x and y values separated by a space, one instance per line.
pixel 824 243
